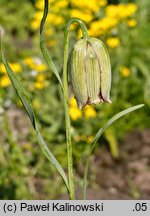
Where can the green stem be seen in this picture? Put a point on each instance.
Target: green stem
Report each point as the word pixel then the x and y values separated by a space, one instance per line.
pixel 85 176
pixel 66 101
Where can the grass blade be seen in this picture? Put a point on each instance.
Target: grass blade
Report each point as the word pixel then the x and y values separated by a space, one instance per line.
pixel 29 109
pixel 44 50
pixel 98 135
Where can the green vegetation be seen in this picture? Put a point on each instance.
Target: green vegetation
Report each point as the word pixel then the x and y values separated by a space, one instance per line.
pixel 24 172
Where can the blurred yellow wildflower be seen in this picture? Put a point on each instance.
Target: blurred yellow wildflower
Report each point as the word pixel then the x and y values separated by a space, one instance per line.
pixel 113 42
pixel 4 81
pixel 39 4
pixel 35 64
pixel 29 62
pixel 83 15
pixel 55 19
pixel 75 113
pixel 89 112
pixel 73 102
pixel 59 5
pixel 16 67
pixel 92 5
pixel 131 9
pixel 35 24
pixel 2 69
pixel 121 11
pixel 125 71
pixel 48 31
pixel 40 77
pixel 39 85
pixel 38 15
pixel 102 3
pixel 40 67
pixel 132 23
pixel 101 26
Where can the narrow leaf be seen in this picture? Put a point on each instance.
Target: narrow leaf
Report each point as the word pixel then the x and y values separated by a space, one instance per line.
pixel 44 50
pixel 99 133
pixel 20 90
pixel 112 120
pixel 29 109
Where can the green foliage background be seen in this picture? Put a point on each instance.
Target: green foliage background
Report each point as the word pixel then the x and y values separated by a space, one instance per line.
pixel 24 171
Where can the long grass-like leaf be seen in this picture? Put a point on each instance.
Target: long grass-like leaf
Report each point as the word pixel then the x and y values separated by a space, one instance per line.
pixel 98 135
pixel 29 109
pixel 112 120
pixel 44 50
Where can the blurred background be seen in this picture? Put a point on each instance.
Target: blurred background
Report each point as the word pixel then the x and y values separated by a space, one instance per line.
pixel 120 165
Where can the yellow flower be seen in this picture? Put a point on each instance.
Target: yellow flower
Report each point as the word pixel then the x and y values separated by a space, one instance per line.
pixel 48 31
pixel 84 15
pixel 125 71
pixel 59 5
pixel 102 3
pixel 75 113
pixel 4 81
pixel 39 85
pixel 40 67
pixel 92 5
pixel 35 24
pixel 40 77
pixel 39 5
pixel 112 11
pixel 113 42
pixel 55 19
pixel 89 112
pixel 121 11
pixel 73 102
pixel 101 26
pixel 132 23
pixel 38 15
pixel 16 67
pixel 2 69
pixel 28 61
pixel 131 8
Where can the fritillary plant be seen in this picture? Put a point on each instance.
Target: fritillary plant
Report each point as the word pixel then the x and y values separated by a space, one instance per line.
pixel 90 73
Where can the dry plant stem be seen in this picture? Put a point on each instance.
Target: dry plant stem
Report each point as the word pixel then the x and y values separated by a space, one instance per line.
pixel 66 102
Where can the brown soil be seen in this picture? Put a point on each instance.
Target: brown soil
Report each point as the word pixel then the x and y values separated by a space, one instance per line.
pixel 127 177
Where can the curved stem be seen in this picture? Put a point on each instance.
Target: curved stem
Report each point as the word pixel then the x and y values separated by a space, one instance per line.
pixel 80 23
pixel 66 101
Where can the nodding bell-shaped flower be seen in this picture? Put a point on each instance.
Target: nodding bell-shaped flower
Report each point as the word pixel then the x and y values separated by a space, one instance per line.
pixel 90 72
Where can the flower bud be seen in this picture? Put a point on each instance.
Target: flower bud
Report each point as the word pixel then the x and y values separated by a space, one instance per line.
pixel 90 72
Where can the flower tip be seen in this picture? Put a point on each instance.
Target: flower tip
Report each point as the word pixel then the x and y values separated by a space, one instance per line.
pixel 108 100
pixel 81 106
